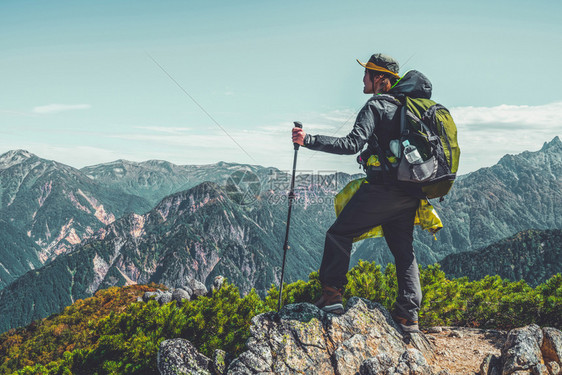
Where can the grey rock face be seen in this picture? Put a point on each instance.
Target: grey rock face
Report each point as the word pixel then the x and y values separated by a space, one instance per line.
pixel 178 356
pixel 218 364
pixel 539 369
pixel 376 365
pixel 180 294
pixel 164 298
pixel 217 283
pixel 554 368
pixel 552 345
pixel 148 295
pixel 491 365
pixel 527 350
pixel 198 288
pixel 521 350
pixel 304 339
pixel 412 362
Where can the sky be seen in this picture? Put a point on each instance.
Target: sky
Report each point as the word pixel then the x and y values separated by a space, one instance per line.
pixel 197 82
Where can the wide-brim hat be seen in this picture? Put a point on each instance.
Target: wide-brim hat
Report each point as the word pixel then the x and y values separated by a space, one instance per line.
pixel 382 63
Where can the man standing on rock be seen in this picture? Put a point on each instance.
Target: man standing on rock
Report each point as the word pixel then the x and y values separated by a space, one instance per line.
pixel 381 199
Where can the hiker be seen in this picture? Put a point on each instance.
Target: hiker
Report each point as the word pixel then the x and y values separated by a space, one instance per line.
pixel 381 201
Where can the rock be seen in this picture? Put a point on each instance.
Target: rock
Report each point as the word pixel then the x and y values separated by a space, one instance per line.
pixel 180 294
pixel 521 351
pixel 148 295
pixel 217 283
pixel 420 342
pixel 554 368
pixel 552 345
pixel 490 365
pixel 218 363
pixel 198 288
pixel 376 365
pixel 164 298
pixel 539 369
pixel 434 330
pixel 178 356
pixel 456 334
pixel 413 362
pixel 139 299
pixel 304 339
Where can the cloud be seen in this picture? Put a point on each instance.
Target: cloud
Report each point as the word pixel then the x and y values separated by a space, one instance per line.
pixel 486 134
pixel 18 113
pixel 163 129
pixel 57 108
pixel 547 115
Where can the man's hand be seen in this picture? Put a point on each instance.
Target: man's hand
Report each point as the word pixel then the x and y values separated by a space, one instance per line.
pixel 298 136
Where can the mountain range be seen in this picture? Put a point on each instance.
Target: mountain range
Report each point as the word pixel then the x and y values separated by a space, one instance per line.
pixel 233 226
pixel 531 255
pixel 201 232
pixel 55 206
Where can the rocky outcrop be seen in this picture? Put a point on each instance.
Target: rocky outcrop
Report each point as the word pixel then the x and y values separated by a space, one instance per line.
pixel 302 339
pixel 527 350
pixel 191 290
pixel 179 356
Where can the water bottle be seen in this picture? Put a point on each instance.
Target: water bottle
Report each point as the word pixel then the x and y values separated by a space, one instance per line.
pixel 411 153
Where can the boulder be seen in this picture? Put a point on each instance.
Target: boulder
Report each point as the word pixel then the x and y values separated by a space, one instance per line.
pixel 198 288
pixel 411 362
pixel 552 345
pixel 148 295
pixel 180 294
pixel 217 283
pixel 554 368
pixel 218 363
pixel 376 365
pixel 304 339
pixel 527 350
pixel 435 330
pixel 522 351
pixel 164 298
pixel 491 365
pixel 178 356
pixel 539 369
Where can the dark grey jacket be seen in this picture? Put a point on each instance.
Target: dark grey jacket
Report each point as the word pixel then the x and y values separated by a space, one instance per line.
pixel 379 116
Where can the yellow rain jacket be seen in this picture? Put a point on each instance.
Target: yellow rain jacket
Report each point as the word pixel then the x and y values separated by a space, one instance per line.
pixel 426 216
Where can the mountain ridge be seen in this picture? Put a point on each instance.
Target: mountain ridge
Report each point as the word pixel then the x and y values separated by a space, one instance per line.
pixel 531 255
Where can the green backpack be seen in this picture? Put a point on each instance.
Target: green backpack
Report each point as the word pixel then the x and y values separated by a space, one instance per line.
pixel 429 128
pixel 428 137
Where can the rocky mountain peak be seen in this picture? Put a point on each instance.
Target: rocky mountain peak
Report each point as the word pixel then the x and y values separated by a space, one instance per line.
pixel 556 143
pixel 14 157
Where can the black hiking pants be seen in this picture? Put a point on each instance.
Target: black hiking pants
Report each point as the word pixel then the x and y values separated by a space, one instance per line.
pixel 370 206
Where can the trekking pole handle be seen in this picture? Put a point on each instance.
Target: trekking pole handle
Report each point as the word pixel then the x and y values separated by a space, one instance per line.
pixel 298 124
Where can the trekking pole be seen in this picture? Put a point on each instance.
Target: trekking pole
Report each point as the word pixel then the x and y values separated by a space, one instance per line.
pixel 291 197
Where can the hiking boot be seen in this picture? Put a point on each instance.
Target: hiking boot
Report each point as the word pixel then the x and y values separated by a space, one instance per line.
pixel 407 325
pixel 331 300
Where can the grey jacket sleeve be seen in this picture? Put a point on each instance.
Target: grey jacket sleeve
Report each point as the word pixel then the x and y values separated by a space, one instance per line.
pixel 351 143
